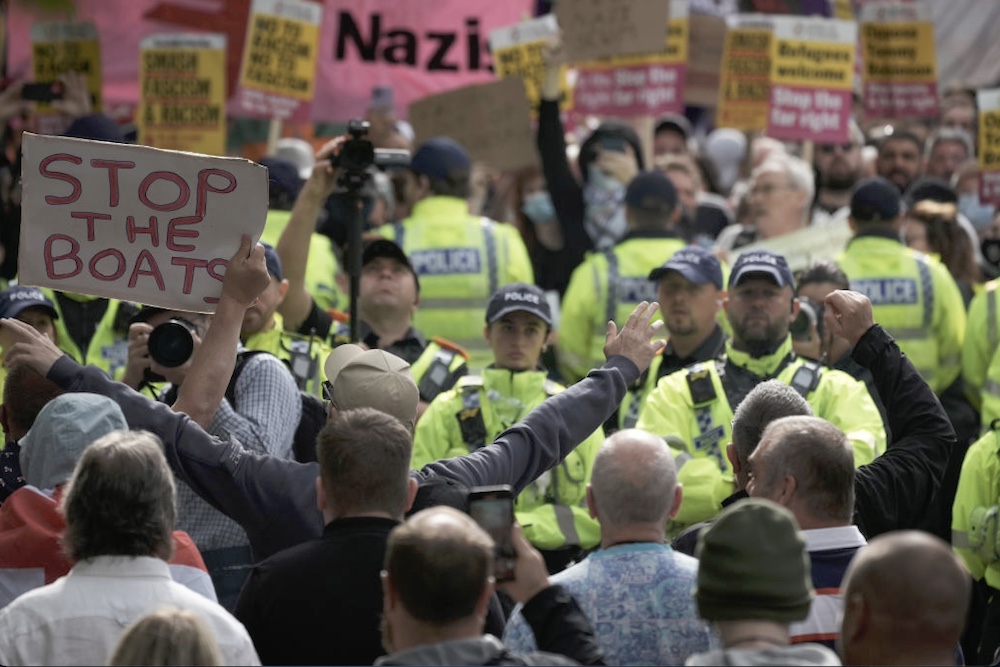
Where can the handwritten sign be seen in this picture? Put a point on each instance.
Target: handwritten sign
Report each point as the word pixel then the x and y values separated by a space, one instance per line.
pixel 899 60
pixel 134 222
pixel 632 86
pixel 490 120
pixel 60 47
pixel 593 29
pixel 517 51
pixel 182 84
pixel 279 59
pixel 745 84
pixel 988 102
pixel 812 79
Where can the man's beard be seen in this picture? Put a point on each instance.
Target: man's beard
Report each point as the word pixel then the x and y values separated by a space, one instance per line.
pixel 840 181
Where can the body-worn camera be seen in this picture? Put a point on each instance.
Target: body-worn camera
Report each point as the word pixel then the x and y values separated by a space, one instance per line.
pixel 171 344
pixel 357 154
pixel 810 313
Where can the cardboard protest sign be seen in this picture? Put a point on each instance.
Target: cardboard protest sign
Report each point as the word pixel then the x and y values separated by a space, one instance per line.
pixel 812 79
pixel 593 29
pixel 60 47
pixel 745 84
pixel 634 86
pixel 490 120
pixel 279 59
pixel 133 222
pixel 706 36
pixel 517 51
pixel 988 102
pixel 182 83
pixel 899 61
pixel 804 246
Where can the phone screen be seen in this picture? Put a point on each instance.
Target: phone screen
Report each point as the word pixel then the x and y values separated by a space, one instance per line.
pixel 613 144
pixel 494 512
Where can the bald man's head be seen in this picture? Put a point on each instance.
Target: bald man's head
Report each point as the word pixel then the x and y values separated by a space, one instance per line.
pixel 905 601
pixel 634 480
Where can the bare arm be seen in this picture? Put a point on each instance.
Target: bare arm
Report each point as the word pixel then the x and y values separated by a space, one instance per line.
pixel 212 363
pixel 293 246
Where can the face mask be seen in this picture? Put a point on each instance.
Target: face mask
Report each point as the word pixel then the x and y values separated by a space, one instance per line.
pixel 538 207
pixel 980 215
pixel 597 178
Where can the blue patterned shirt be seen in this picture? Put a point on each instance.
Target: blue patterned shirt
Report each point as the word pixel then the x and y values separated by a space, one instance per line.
pixel 639 598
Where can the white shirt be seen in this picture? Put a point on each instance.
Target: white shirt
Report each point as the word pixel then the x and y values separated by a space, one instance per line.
pixel 78 619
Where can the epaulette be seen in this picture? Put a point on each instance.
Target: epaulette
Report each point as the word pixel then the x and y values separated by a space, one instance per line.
pixel 449 345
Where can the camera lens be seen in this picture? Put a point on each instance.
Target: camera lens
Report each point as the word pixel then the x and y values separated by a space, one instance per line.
pixel 172 343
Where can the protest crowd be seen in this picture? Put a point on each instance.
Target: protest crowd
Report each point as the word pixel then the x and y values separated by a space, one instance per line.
pixel 648 390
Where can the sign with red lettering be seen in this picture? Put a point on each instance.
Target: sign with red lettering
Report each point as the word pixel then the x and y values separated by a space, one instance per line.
pixel 132 222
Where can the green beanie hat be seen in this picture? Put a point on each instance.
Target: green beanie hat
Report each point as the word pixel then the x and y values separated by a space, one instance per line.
pixel 753 565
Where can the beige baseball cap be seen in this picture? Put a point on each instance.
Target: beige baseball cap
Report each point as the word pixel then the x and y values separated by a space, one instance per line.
pixel 363 378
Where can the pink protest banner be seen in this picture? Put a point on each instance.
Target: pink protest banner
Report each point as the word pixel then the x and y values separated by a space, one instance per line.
pixel 132 222
pixel 812 79
pixel 899 62
pixel 988 102
pixel 634 86
pixel 362 44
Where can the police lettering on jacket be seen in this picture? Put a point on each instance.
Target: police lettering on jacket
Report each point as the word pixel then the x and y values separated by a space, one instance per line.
pixel 888 291
pixel 444 261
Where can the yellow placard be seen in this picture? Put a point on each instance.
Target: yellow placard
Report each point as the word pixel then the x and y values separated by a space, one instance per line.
pixel 745 79
pixel 525 61
pixel 899 52
pixel 182 93
pixel 280 56
pixel 989 140
pixel 812 64
pixel 57 48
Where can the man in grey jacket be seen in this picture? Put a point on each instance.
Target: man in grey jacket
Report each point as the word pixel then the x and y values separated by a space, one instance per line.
pixel 275 499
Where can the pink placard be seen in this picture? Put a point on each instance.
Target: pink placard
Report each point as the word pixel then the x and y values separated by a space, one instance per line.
pixel 820 115
pixel 624 92
pixel 901 100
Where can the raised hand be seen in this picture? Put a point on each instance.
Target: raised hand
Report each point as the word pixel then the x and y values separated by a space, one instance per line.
pixel 848 315
pixel 633 341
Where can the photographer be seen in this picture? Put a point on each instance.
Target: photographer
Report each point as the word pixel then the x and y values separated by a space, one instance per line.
pixel 262 417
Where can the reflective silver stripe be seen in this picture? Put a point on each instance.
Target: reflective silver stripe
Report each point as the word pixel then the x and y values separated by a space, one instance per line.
pixel 927 285
pixel 567 525
pixel 991 317
pixel 681 459
pixel 471 302
pixel 397 228
pixel 960 539
pixel 991 387
pixel 611 304
pixel 490 237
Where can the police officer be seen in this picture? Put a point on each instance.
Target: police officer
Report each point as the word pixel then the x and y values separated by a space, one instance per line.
pixel 689 291
pixel 264 330
pixel 980 362
pixel 93 330
pixel 30 305
pixel 552 510
pixel 461 259
pixel 693 408
pixel 608 284
pixel 913 295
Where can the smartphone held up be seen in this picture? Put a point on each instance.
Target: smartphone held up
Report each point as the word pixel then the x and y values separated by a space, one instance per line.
pixel 492 507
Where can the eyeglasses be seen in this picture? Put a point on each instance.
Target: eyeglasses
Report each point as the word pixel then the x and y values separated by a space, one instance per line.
pixel 768 189
pixel 828 149
pixel 328 393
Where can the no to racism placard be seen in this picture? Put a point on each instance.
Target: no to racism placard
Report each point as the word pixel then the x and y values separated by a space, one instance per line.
pixel 60 47
pixel 989 145
pixel 133 222
pixel 812 79
pixel 745 83
pixel 517 51
pixel 182 87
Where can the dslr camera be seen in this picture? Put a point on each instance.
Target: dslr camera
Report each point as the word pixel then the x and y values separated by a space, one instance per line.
pixel 171 344
pixel 810 313
pixel 357 154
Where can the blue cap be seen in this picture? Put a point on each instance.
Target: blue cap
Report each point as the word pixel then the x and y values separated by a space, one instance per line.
pixel 282 176
pixel 765 262
pixel 875 200
pixel 272 261
pixel 95 127
pixel 437 157
pixel 651 191
pixel 695 263
pixel 519 297
pixel 20 298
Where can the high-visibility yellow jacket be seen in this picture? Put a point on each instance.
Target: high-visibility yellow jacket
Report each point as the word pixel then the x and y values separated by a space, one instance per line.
pixel 321 264
pixel 304 355
pixel 461 260
pixel 692 410
pixel 980 362
pixel 607 286
pixel 552 509
pixel 975 524
pixel 915 299
pixel 108 348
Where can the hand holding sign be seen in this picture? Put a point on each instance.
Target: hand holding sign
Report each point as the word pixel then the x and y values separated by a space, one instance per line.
pixel 246 276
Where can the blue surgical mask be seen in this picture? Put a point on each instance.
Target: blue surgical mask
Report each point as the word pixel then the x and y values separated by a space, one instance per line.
pixel 601 180
pixel 979 214
pixel 538 207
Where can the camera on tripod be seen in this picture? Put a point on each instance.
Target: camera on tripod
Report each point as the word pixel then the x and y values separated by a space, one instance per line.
pixel 357 154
